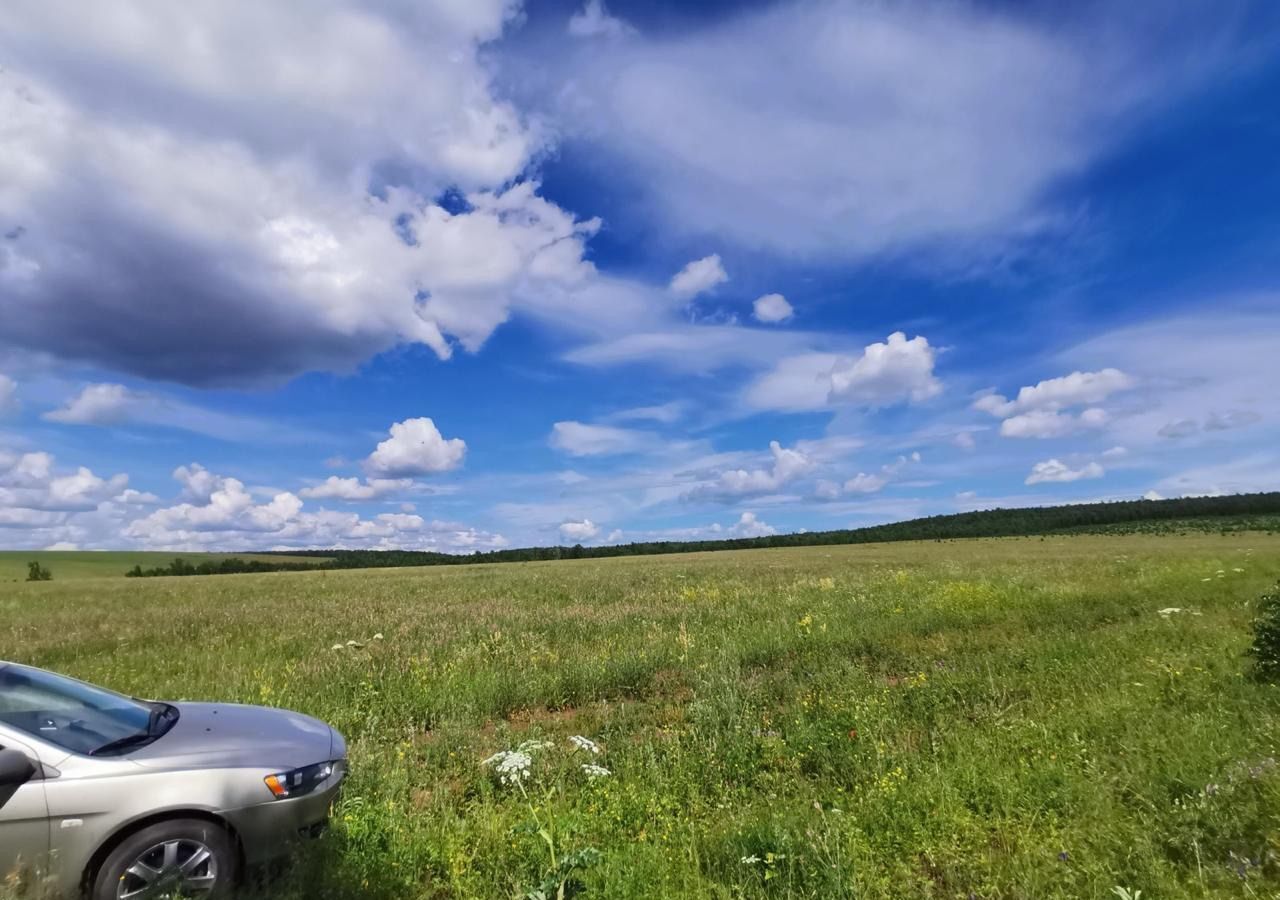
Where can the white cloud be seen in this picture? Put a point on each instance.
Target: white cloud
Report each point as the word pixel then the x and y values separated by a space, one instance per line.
pixel 964 440
pixel 198 483
pixel 287 172
pixel 1259 471
pixel 229 518
pixel 352 489
pixel 749 526
pixel 594 21
pixel 864 483
pixel 1194 369
pixel 666 413
pixel 891 372
pixel 1045 423
pixel 772 308
pixel 1115 453
pixel 108 404
pixel 698 277
pixel 1076 389
pixel 581 439
pixel 30 483
pixel 8 394
pixel 130 497
pixel 1054 470
pixel 578 532
pixel 97 404
pixel 788 464
pixel 796 384
pixel 414 448
pixel 1152 495
pixel 817 128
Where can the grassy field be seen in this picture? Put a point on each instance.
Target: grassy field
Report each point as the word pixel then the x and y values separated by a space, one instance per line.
pixel 66 564
pixel 1011 718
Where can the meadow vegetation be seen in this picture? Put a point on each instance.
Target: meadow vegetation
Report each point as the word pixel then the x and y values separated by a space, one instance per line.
pixel 1017 718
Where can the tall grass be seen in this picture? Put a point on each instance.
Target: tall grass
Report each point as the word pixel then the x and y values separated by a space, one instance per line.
pixel 995 718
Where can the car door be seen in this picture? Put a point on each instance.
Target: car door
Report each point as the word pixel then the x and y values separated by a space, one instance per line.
pixel 24 818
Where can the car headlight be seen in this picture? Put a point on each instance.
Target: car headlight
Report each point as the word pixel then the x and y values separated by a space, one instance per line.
pixel 297 782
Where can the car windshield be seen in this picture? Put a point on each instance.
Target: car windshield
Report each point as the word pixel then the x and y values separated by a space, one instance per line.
pixel 70 714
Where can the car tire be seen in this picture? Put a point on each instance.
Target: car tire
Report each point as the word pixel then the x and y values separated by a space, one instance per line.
pixel 194 856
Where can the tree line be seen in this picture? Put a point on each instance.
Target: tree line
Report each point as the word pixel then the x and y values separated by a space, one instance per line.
pixel 1025 521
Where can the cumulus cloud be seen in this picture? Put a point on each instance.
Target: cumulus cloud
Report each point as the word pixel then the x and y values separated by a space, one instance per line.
pixel 224 186
pixel 887 373
pixel 581 439
pixel 1047 423
pixel 788 464
pixel 749 526
pixel 698 277
pixel 1076 389
pixel 352 489
pixel 1038 411
pixel 30 483
pixel 578 532
pixel 228 517
pixel 415 448
pixel 594 21
pixel 772 308
pixel 8 394
pixel 1054 470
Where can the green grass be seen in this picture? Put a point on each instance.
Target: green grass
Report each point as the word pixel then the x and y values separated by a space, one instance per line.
pixel 67 564
pixel 1007 718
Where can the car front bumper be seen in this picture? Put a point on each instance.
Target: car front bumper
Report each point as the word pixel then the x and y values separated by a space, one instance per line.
pixel 270 829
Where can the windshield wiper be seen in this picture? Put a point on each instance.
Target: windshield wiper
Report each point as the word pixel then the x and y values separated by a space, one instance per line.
pixel 160 713
pixel 129 740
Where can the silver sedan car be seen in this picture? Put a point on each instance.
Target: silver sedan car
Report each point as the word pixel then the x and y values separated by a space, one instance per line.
pixel 111 798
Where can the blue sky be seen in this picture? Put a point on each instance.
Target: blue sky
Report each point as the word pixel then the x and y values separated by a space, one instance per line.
pixel 460 276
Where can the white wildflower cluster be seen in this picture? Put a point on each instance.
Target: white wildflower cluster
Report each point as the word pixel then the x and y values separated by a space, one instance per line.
pixel 512 766
pixel 582 743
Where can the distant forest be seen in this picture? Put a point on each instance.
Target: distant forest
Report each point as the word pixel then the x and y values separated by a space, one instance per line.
pixel 1230 513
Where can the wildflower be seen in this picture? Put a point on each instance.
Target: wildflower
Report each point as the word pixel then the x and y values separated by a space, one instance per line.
pixel 337 647
pixel 1237 570
pixel 750 860
pixel 594 771
pixel 1170 610
pixel 1064 856
pixel 531 747
pixel 355 644
pixel 512 766
pixel 582 743
pixel 378 636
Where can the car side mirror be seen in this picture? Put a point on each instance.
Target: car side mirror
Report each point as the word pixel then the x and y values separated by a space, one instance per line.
pixel 15 768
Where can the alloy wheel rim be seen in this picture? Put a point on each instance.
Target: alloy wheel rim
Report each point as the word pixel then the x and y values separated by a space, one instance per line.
pixel 177 868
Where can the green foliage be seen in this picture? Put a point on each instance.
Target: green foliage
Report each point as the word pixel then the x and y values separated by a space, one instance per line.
pixel 1265 649
pixel 37 572
pixel 993 718
pixel 228 566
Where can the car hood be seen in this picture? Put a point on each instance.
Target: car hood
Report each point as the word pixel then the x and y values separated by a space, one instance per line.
pixel 228 734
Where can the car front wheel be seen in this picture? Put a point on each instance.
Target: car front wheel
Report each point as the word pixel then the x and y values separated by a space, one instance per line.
pixel 187 858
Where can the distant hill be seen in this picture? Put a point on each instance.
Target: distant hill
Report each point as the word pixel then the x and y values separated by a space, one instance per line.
pixel 1236 512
